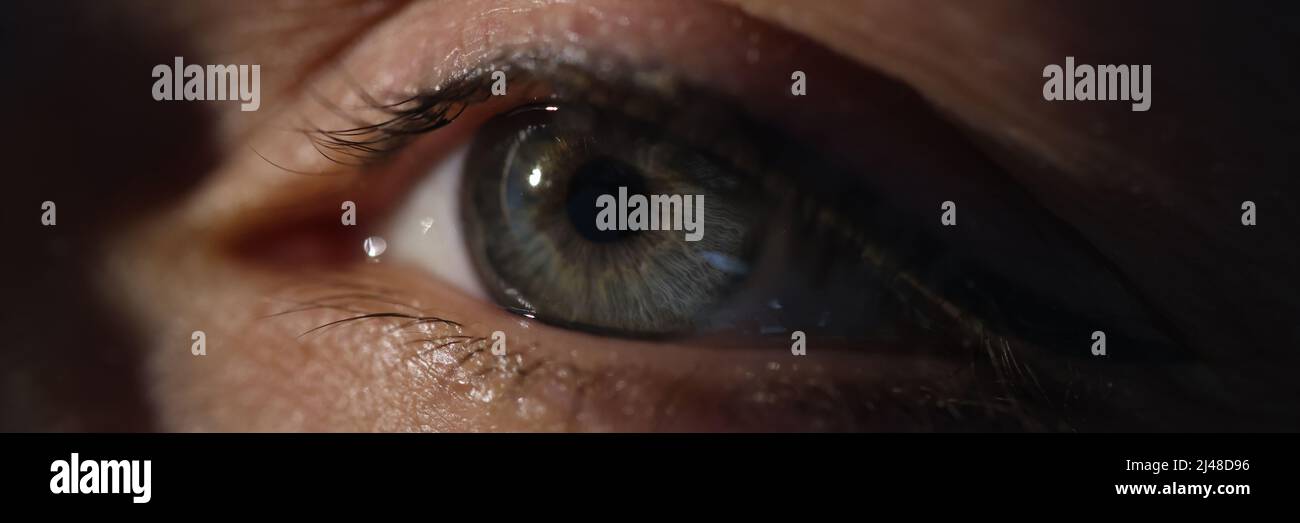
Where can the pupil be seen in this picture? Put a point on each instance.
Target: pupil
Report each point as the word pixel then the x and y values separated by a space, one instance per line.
pixel 597 176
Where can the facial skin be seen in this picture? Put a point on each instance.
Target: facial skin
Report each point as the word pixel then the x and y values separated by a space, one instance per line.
pixel 242 223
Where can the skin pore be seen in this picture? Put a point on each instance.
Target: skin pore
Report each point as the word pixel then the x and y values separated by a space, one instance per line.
pixel 1157 192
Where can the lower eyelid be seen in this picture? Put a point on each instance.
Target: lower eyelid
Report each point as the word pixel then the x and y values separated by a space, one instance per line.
pixel 552 379
pixel 556 380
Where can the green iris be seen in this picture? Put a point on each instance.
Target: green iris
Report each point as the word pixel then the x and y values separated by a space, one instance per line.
pixel 533 179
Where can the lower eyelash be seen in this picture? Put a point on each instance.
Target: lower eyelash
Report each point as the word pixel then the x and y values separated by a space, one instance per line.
pixel 465 358
pixel 361 300
pixel 441 340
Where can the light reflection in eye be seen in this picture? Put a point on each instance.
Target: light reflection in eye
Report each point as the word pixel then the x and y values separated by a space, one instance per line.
pixel 848 246
pixel 847 262
pixel 427 230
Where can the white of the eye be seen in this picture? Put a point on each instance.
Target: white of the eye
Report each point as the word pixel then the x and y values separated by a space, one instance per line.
pixel 425 230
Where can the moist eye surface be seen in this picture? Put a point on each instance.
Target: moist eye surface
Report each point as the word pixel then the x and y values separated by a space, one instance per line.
pixel 536 181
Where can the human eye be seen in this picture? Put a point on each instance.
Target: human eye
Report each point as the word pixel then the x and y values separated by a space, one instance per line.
pixel 814 282
pixel 786 239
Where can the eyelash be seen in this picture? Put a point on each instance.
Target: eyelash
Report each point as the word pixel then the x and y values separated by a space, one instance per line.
pixel 1016 396
pixel 430 110
pixel 646 92
pixel 436 335
pixel 420 114
pixel 434 109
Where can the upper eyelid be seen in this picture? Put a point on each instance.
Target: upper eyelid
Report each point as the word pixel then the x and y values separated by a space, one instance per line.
pixel 652 65
pixel 538 42
pixel 659 90
pixel 430 109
